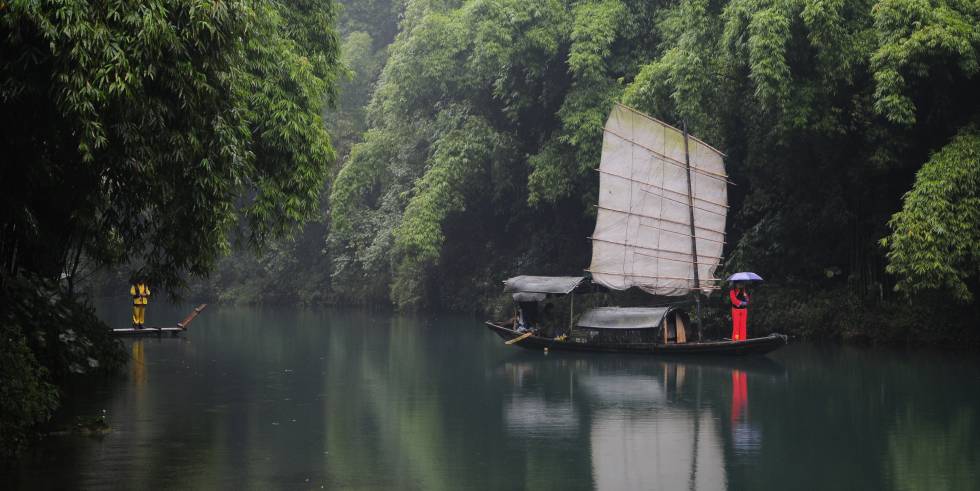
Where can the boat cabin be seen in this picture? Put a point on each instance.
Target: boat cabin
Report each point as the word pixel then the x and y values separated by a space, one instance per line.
pixel 623 325
pixel 606 325
pixel 530 295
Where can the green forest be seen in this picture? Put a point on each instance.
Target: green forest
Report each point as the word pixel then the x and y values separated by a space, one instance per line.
pixel 468 134
pixel 411 154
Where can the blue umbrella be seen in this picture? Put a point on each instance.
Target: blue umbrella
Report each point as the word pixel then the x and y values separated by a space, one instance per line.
pixel 745 276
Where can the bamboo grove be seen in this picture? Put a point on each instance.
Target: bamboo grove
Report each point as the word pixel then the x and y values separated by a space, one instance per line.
pixel 850 129
pixel 146 137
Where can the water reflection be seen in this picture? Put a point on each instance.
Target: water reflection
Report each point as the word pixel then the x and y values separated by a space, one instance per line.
pixel 532 415
pixel 746 436
pixel 740 396
pixel 933 456
pixel 138 364
pixel 642 435
pixel 647 422
pixel 253 398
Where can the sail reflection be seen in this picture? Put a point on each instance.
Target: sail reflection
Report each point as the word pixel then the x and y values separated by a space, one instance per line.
pixel 674 450
pixel 663 423
pixel 642 435
pixel 625 391
pixel 535 415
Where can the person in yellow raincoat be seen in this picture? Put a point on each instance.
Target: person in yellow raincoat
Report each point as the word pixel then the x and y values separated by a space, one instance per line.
pixel 141 297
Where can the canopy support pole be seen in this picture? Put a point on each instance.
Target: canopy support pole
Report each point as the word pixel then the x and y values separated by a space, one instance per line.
pixel 694 241
pixel 571 312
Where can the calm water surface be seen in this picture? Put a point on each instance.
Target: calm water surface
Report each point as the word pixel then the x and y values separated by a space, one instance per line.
pixel 279 398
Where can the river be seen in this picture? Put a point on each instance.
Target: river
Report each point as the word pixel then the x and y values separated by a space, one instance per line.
pixel 260 398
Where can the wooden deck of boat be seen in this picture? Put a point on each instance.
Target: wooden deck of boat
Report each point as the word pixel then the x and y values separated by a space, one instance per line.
pixel 158 330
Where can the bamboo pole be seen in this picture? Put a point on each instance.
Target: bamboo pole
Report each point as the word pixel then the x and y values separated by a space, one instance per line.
pixel 694 242
pixel 518 338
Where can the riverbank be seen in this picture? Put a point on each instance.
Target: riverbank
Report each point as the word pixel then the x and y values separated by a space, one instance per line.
pixel 819 312
pixel 844 315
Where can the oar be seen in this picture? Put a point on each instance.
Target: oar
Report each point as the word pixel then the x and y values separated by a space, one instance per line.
pixel 518 338
pixel 190 318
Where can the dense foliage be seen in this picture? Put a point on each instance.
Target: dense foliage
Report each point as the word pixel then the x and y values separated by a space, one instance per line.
pixel 144 133
pixel 486 123
pixel 48 338
pixel 147 135
pixel 298 269
pixel 26 397
pixel 477 113
pixel 936 240
pixel 469 144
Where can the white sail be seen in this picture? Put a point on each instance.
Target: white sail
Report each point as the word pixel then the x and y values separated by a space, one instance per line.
pixel 642 235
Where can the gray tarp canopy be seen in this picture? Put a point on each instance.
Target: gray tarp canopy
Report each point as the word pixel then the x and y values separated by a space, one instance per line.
pixel 624 317
pixel 529 297
pixel 558 285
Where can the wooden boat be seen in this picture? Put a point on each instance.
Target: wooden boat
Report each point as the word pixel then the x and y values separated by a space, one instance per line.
pixel 158 330
pixel 754 346
pixel 660 227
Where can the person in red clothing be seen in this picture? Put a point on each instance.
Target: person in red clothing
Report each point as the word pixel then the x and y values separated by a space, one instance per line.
pixel 740 310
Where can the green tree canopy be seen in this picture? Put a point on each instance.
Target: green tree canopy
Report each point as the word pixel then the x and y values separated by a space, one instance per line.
pixel 826 109
pixel 148 133
pixel 482 108
pixel 935 240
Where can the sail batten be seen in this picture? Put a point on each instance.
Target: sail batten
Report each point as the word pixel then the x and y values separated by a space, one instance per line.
pixel 686 225
pixel 642 248
pixel 673 161
pixel 650 277
pixel 643 234
pixel 651 185
pixel 679 201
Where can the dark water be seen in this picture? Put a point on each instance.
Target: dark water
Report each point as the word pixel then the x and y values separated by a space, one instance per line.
pixel 259 399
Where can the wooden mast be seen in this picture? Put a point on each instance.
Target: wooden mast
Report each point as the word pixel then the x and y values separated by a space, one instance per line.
pixel 694 241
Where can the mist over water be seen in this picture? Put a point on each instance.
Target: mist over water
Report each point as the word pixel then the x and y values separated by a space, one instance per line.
pixel 269 398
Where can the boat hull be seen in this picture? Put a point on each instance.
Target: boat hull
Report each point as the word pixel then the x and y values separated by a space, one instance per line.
pixel 754 346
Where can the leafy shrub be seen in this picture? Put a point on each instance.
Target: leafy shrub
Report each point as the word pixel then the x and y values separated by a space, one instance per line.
pixel 47 339
pixel 26 397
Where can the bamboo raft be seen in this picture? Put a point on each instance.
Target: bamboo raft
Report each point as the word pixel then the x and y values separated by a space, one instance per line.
pixel 159 330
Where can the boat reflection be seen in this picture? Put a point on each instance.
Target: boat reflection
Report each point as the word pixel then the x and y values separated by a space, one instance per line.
pixel 663 423
pixel 531 415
